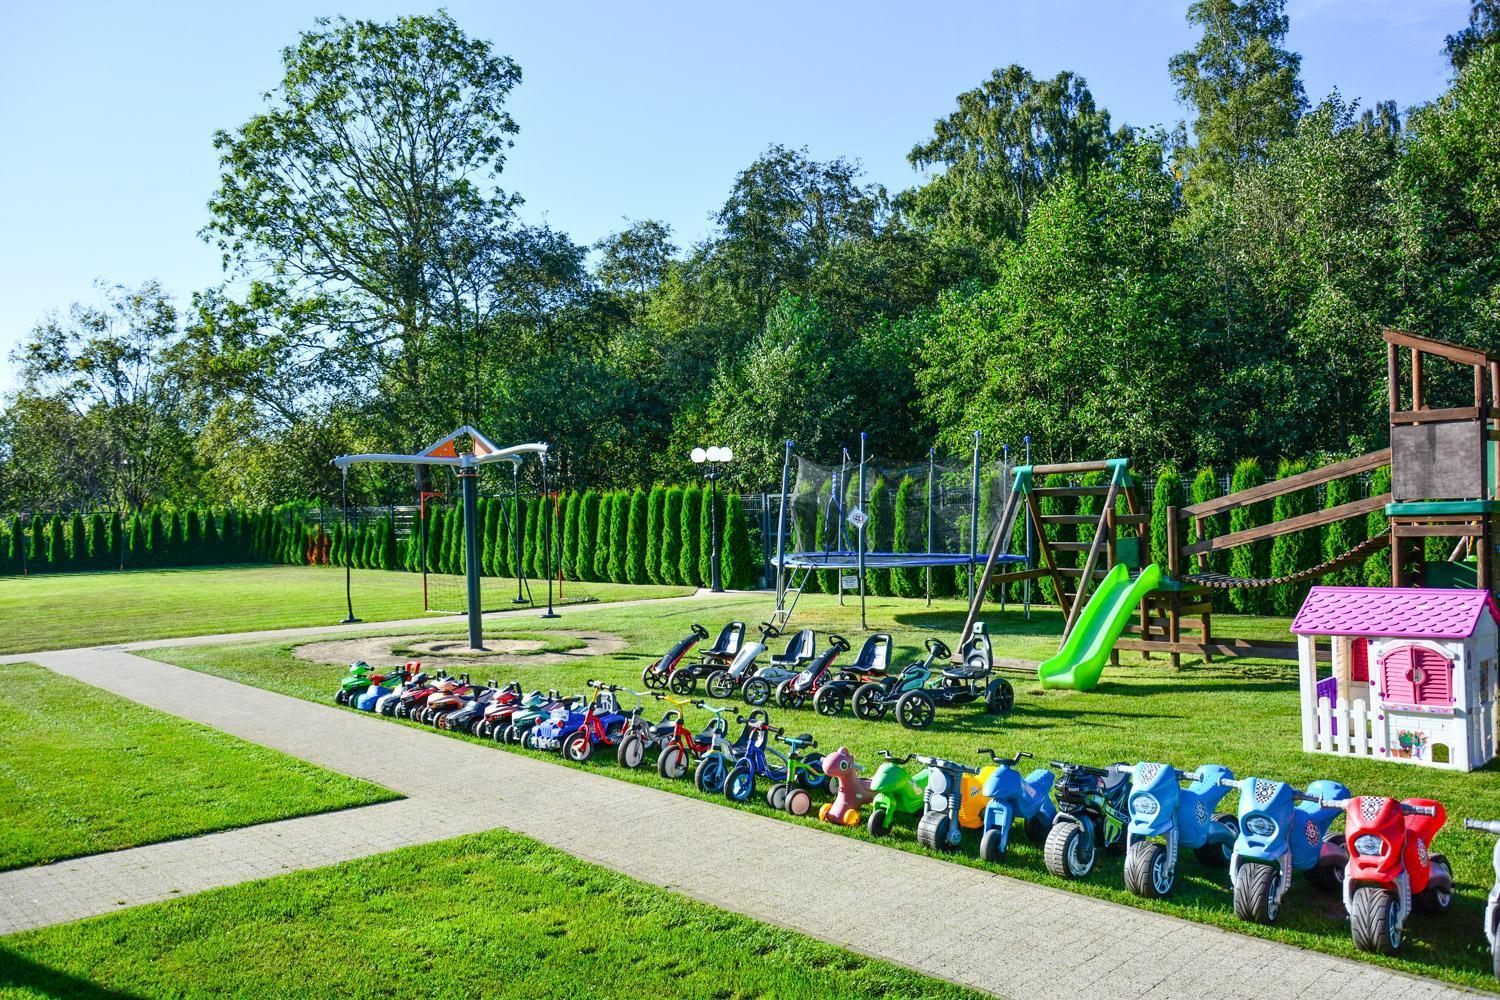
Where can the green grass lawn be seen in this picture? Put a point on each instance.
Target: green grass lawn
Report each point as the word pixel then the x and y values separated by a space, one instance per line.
pixel 1243 714
pixel 83 771
pixel 62 610
pixel 489 915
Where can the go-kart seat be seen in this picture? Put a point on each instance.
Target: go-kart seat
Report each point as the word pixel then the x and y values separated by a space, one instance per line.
pixel 874 656
pixel 801 649
pixel 731 638
pixel 970 670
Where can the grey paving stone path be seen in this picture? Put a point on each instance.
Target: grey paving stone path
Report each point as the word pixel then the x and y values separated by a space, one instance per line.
pixel 972 926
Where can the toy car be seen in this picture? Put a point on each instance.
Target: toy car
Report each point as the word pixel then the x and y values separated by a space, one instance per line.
pixel 872 700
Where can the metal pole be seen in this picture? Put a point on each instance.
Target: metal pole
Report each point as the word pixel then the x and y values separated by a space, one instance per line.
pixel 348 589
pixel 715 581
pixel 1026 587
pixel 550 514
pixel 931 460
pixel 859 531
pixel 786 464
pixel 469 476
pixel 974 518
pixel 1005 482
pixel 515 530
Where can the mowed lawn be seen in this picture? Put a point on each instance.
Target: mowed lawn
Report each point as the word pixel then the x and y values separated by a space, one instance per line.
pixel 63 610
pixel 83 771
pixel 1242 714
pixel 488 915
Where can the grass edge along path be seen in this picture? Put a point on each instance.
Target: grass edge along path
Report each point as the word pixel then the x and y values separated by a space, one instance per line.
pixel 492 914
pixel 83 771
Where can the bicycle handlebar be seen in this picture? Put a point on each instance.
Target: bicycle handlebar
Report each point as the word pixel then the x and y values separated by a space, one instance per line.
pixel 893 758
pixel 1012 761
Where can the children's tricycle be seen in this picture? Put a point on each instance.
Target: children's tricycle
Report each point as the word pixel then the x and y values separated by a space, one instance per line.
pixel 795 691
pixel 757 688
pixel 1013 797
pixel 754 758
pixel 874 699
pixel 872 664
pixel 960 684
pixel 1165 817
pixel 1090 815
pixel 897 793
pixel 1492 908
pixel 1392 868
pixel 658 674
pixel 714 764
pixel 1282 830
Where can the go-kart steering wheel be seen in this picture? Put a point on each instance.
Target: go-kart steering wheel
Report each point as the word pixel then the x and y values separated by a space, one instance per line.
pixel 769 631
pixel 700 631
pixel 938 649
pixel 839 642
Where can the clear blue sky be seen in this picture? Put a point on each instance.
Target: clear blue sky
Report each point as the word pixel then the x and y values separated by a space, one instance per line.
pixel 626 110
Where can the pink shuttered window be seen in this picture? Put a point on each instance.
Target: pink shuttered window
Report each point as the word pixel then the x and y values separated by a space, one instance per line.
pixel 1359 667
pixel 1416 675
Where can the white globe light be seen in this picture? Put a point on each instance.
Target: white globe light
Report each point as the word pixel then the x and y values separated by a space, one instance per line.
pixel 699 456
pixel 727 453
pixel 716 454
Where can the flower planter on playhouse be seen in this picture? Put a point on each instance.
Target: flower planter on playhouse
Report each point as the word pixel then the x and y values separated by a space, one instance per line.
pixel 1413 675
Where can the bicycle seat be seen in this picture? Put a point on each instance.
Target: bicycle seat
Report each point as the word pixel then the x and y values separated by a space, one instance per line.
pixel 800 741
pixel 664 729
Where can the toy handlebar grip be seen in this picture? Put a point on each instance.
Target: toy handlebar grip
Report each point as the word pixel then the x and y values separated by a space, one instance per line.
pixel 1228 783
pixel 1412 810
pixel 1485 825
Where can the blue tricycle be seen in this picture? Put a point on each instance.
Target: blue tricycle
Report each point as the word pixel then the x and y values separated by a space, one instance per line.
pixel 1013 797
pixel 1283 830
pixel 1165 817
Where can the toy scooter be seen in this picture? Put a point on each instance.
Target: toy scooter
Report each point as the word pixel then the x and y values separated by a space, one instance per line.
pixel 1492 907
pixel 1392 868
pixel 725 681
pixel 1164 817
pixel 658 674
pixel 897 793
pixel 1282 830
pixel 1090 815
pixel 1013 797
pixel 757 689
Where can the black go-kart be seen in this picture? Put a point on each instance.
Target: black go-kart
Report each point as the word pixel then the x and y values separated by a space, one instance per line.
pixel 872 665
pixel 972 679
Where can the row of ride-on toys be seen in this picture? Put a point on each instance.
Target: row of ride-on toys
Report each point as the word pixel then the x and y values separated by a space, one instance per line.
pixel 1382 861
pixel 801 675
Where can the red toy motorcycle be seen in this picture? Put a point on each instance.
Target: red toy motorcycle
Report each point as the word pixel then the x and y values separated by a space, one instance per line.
pixel 1392 868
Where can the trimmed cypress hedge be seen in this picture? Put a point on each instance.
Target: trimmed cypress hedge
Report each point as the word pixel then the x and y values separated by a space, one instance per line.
pixel 588 536
pixel 877 538
pixel 655 507
pixel 1294 552
pixel 905 581
pixel 739 565
pixel 692 536
pixel 1168 494
pixel 619 529
pixel 671 536
pixel 1250 561
pixel 706 522
pixel 635 538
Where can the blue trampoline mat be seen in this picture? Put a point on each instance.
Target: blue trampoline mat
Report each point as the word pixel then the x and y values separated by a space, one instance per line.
pixel 884 560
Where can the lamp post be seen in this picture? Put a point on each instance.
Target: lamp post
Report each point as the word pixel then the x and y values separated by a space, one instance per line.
pixel 713 458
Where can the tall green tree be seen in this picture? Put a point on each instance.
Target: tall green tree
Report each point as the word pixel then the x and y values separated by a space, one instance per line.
pixel 1168 493
pixel 1377 568
pixel 655 509
pixel 739 566
pixel 1249 561
pixel 636 526
pixel 603 528
pixel 671 536
pixel 619 532
pixel 691 529
pixel 1294 552
pixel 588 533
pixel 1341 536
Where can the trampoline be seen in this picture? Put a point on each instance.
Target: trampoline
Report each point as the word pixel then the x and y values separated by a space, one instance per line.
pixel 850 559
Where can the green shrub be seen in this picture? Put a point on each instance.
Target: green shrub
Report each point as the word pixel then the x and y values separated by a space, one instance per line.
pixel 1206 488
pixel 588 535
pixel 1168 494
pixel 1248 561
pixel 655 507
pixel 546 537
pixel 619 530
pixel 1290 554
pixel 905 581
pixel 1341 536
pixel 433 543
pixel 740 567
pixel 878 537
pixel 692 537
pixel 602 528
pixel 708 517
pixel 138 554
pixel 635 537
pixel 78 543
pixel 565 537
pixel 671 536
pixel 95 552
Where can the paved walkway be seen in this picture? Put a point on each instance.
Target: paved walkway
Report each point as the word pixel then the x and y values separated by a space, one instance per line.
pixel 973 926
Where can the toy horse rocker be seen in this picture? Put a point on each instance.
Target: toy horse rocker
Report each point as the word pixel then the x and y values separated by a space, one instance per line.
pixel 853 790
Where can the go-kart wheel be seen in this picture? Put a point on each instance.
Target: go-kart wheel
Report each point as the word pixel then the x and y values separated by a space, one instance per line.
pixel 932 832
pixel 915 710
pixel 798 802
pixel 740 784
pixel 631 750
pixel 1037 828
pixel 1149 872
pixel 787 698
pixel 812 778
pixel 1070 851
pixel 776 795
pixel 719 684
pixel 992 845
pixel 829 701
pixel 578 748
pixel 757 691
pixel 708 776
pixel 672 764
pixel 1374 919
pixel 1218 855
pixel 652 679
pixel 682 682
pixel 1257 893
pixel 869 702
pixel 999 697
pixel 879 824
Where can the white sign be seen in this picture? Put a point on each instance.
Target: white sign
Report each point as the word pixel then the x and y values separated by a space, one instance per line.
pixel 849 581
pixel 858 518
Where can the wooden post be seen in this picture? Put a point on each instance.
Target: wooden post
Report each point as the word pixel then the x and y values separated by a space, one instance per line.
pixel 1393 375
pixel 1047 557
pixel 1416 379
pixel 1085 582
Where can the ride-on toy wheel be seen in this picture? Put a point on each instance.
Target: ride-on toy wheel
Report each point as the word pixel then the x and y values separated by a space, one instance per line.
pixel 999 697
pixel 798 802
pixel 757 691
pixel 776 795
pixel 787 698
pixel 1149 872
pixel 813 779
pixel 579 747
pixel 932 832
pixel 719 684
pixel 990 845
pixel 879 824
pixel 1070 851
pixel 708 776
pixel 829 701
pixel 631 751
pixel 1037 828
pixel 682 682
pixel 1257 893
pixel 1432 899
pixel 1328 877
pixel 653 679
pixel 1218 855
pixel 915 710
pixel 672 764
pixel 1374 919
pixel 869 702
pixel 740 784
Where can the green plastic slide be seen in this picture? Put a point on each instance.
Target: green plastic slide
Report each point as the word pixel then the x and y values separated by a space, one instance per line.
pixel 1084 653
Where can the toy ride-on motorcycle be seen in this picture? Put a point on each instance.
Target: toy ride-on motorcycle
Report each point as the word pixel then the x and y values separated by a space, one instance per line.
pixel 948 783
pixel 1492 907
pixel 1013 797
pixel 1165 817
pixel 1392 868
pixel 872 665
pixel 684 679
pixel 1090 815
pixel 658 674
pixel 758 687
pixel 897 793
pixel 1282 830
pixel 961 683
pixel 795 692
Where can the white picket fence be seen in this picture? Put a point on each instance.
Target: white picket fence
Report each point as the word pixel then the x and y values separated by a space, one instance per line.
pixel 1346 729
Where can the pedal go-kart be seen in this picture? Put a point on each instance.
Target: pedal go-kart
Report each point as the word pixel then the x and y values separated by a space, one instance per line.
pixel 1165 818
pixel 795 692
pixel 800 650
pixel 725 681
pixel 872 665
pixel 1013 797
pixel 960 684
pixel 898 792
pixel 658 674
pixel 1392 868
pixel 685 677
pixel 872 700
pixel 1090 815
pixel 1282 830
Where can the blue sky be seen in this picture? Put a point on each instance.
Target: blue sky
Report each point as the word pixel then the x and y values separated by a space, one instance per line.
pixel 627 111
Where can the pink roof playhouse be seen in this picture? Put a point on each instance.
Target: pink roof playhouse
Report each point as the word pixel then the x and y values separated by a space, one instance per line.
pixel 1413 674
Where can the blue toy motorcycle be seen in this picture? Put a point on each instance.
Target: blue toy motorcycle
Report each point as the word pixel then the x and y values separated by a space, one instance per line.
pixel 1013 797
pixel 1165 817
pixel 1282 830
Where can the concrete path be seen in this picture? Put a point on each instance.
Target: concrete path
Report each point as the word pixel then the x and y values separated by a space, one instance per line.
pixel 972 926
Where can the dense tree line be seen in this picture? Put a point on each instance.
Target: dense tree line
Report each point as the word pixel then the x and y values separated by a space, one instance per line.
pixel 1204 294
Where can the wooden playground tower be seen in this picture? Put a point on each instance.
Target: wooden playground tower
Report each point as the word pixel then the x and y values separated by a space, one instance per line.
pixel 1443 484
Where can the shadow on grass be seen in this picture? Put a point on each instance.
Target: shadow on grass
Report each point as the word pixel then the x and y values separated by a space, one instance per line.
pixel 22 973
